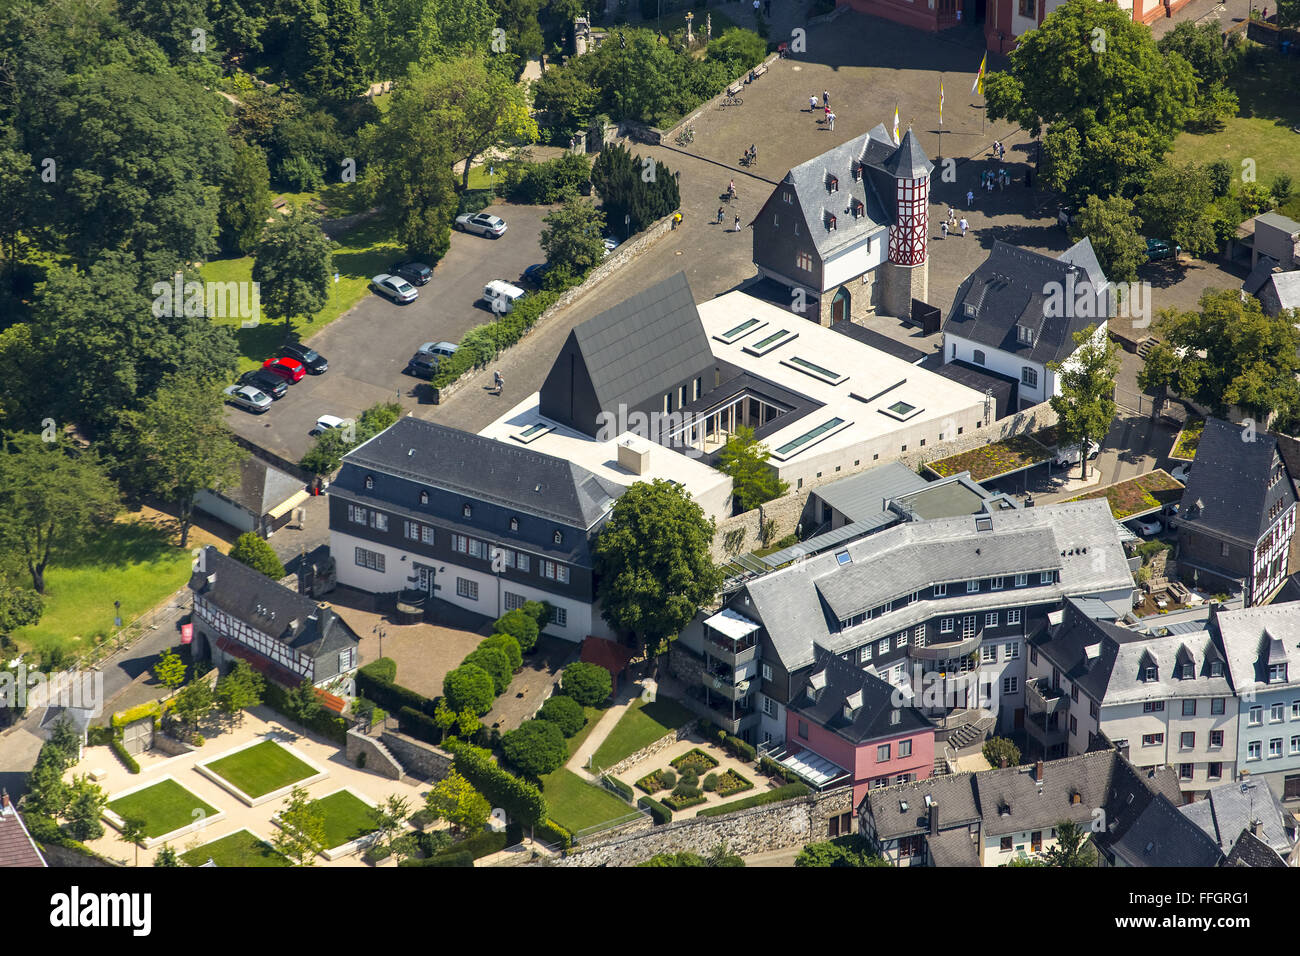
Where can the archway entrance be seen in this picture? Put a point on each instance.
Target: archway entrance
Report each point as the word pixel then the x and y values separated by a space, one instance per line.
pixel 840 306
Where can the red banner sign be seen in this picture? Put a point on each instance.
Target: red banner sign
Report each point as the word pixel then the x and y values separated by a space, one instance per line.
pixel 187 633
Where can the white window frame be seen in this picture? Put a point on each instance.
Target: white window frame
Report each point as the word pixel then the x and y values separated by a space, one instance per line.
pixel 1013 615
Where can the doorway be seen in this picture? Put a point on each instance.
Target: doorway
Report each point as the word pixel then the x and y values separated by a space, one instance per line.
pixel 840 306
pixel 425 579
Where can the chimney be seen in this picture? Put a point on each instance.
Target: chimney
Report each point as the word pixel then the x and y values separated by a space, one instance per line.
pixel 5 806
pixel 1002 763
pixel 934 819
pixel 1038 771
pixel 1254 824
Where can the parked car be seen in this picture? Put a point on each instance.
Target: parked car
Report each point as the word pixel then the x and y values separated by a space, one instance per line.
pixel 312 361
pixel 482 224
pixel 1147 526
pixel 328 423
pixel 1070 455
pixel 441 349
pixel 266 381
pixel 291 370
pixel 425 362
pixel 610 245
pixel 416 273
pixel 536 273
pixel 1161 249
pixel 501 296
pixel 395 288
pixel 248 398
pixel 1182 472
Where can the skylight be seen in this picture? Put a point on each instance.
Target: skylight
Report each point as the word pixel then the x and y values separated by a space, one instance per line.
pixel 901 410
pixel 770 342
pixel 747 327
pixel 810 438
pixel 532 432
pixel 815 370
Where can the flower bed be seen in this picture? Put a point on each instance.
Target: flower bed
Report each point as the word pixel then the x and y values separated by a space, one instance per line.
pixel 652 783
pixel 684 797
pixel 1188 439
pixel 696 760
pixel 732 782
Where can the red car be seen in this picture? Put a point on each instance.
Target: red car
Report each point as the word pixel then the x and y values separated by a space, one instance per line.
pixel 291 370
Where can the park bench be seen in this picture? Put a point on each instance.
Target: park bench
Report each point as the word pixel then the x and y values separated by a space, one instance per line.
pixel 734 89
pixel 757 71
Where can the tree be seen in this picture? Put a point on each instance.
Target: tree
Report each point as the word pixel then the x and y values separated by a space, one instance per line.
pixel 86 802
pixel 332 39
pixel 301 834
pixel 18 608
pixel 293 262
pixel 997 748
pixel 1111 101
pixel 1086 406
pixel 166 857
pixel 327 454
pixel 245 200
pixel 535 748
pixel 508 646
pixel 301 702
pixel 181 444
pixel 565 712
pixel 1111 227
pixel 573 238
pixel 134 830
pixel 253 550
pixel 653 563
pixel 744 459
pixel 1229 353
pixel 469 687
pixel 464 722
pixel 389 816
pixel 588 684
pixel 51 501
pixel 240 688
pixel 1176 204
pixel 193 704
pixel 169 23
pixel 494 661
pixel 520 625
pixel 400 33
pixel 47 793
pixel 1073 847
pixel 454 799
pixel 632 188
pixel 170 669
pixel 1159 373
pixel 566 101
pixel 1288 13
pixel 852 850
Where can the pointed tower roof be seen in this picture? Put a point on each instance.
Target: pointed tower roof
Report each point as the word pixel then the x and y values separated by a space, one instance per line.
pixel 909 160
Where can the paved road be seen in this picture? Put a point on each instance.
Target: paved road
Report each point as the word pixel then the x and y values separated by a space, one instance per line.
pixel 368 347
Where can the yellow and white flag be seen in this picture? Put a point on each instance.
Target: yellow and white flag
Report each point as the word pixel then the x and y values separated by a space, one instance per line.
pixel 978 85
pixel 941 102
pixel 897 141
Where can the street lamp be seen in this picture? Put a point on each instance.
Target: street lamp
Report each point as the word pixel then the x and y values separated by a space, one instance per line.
pixel 117 613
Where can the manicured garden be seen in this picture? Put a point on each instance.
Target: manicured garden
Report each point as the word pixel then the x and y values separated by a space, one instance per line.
pixel 688 790
pixel 1188 439
pixel 164 807
pixel 577 805
pixel 999 457
pixel 239 849
pixel 347 818
pixel 640 726
pixel 262 768
pixel 1138 495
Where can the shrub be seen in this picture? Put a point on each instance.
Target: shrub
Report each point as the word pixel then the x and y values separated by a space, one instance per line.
pixel 588 684
pixel 667 779
pixel 732 782
pixel 711 782
pixel 312 716
pixel 852 850
pixel 539 611
pixel 519 625
pixel 696 760
pixel 377 853
pixel 392 697
pixel 546 182
pixel 788 792
pixel 652 782
pixel 494 661
pixel 620 787
pixel 381 669
pixel 995 748
pixel 774 769
pixel 565 712
pixel 684 797
pixel 450 859
pixel 536 748
pixel 658 811
pixel 690 778
pixel 519 798
pixel 120 749
pixel 419 725
pixel 481 844
pixel 548 831
pixel 469 687
pixel 99 736
pixel 507 645
pixel 252 550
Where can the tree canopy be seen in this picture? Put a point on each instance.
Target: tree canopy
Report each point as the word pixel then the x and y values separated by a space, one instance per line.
pixel 1086 406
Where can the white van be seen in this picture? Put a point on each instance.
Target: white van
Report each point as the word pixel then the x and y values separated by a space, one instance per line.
pixel 501 295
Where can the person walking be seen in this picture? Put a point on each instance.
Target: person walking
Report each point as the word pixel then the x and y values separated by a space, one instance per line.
pixel 737 224
pixel 963 224
pixel 731 190
pixel 826 98
pixel 812 102
pixel 944 226
pixel 677 219
pixel 719 220
pixel 970 199
pixel 831 118
pixel 498 383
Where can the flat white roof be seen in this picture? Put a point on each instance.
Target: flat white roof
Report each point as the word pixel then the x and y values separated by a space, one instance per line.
pixel 732 624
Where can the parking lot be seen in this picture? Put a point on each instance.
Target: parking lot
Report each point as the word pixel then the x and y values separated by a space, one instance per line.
pixel 368 347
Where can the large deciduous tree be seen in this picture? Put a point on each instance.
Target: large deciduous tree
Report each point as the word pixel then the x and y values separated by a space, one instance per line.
pixel 1086 406
pixel 744 459
pixel 292 264
pixel 1112 228
pixel 573 238
pixel 245 200
pixel 653 562
pixel 1176 205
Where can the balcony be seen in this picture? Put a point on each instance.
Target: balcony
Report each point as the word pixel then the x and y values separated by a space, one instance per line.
pixel 947 649
pixel 1047 730
pixel 724 682
pixel 730 714
pixel 1042 698
pixel 734 653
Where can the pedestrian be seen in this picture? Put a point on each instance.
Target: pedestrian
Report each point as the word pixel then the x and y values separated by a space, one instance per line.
pixel 719 215
pixel 731 190
pixel 737 224
pixel 995 148
pixel 831 117
pixel 826 99
pixel 812 102
pixel 498 383
pixel 1002 179
pixel 963 224
pixel 944 227
pixel 677 219
pixel 828 114
pixel 970 199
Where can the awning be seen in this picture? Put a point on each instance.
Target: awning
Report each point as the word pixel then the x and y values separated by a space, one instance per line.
pixel 284 507
pixel 813 767
pixel 731 624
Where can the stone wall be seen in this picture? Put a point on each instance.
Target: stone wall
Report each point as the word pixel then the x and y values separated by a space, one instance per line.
pixel 640 824
pixel 170 745
pixel 773 827
pixel 378 759
pixel 685 665
pixel 663 743
pixel 416 757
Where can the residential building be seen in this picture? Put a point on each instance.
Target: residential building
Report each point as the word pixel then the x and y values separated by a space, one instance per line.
pixel 1280 291
pixel 847 231
pixel 1164 700
pixel 1006 21
pixel 481 524
pixel 1235 810
pixel 262 501
pixel 17 848
pixel 1276 238
pixel 1017 314
pixel 1236 520
pixel 241 614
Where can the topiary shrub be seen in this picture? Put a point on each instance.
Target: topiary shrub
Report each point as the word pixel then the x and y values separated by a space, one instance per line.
pixel 565 712
pixel 536 748
pixel 667 779
pixel 996 748
pixel 469 687
pixel 690 778
pixel 588 684
pixel 381 669
pixel 711 782
pixel 519 625
pixel 494 661
pixel 509 646
pixel 252 550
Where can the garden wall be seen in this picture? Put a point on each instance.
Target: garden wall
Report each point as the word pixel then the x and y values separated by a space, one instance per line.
pixel 418 758
pixel 378 759
pixel 170 745
pixel 663 743
pixel 773 827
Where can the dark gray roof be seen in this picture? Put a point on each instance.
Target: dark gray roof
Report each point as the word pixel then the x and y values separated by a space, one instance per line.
pixel 1278 221
pixel 1250 850
pixel 1007 290
pixel 644 345
pixel 1249 635
pixel 1012 799
pixel 260 487
pixel 487 470
pixel 947 498
pixel 954 794
pixel 956 847
pixel 879 341
pixel 1281 291
pixel 909 160
pixel 250 596
pixel 1228 492
pixel 1082 254
pixel 1229 809
pixel 1005 389
pixel 1259 274
pixel 1161 836
pixel 862 496
pixel 872 719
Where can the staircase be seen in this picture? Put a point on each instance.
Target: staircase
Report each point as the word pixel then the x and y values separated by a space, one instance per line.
pixel 1145 346
pixel 967 734
pixel 940 767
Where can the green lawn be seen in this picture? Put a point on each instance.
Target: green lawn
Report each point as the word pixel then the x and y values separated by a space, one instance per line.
pixel 260 769
pixel 641 726
pixel 999 457
pixel 347 817
pixel 131 562
pixel 577 805
pixel 164 807
pixel 593 715
pixel 239 849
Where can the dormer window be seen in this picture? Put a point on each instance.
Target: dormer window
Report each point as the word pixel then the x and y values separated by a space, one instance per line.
pixel 1277 673
pixel 859 210
pixel 1024 335
pixel 514 524
pixel 370 482
pixel 559 538
pixel 1216 668
pixel 830 222
pixel 969 309
pixel 1149 674
pixel 833 184
pixel 857 171
pixel 1188 672
pixel 424 497
pixel 467 511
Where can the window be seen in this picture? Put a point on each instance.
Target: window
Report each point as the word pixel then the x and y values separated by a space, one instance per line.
pixel 554 572
pixel 941 590
pixel 1216 738
pixel 1005 844
pixel 1255 716
pixel 1275 747
pixel 1024 335
pixel 1046 577
pixel 412 530
pixel 991 619
pixel 905 748
pixel 882 753
pixel 1216 668
pixel 1254 750
pixel 1149 674
pixel 467 589
pixel 1277 673
pixel 370 559
pixel 995 584
pixel 968 626
pixel 1012 650
pixel 356 514
pixel 945 626
pixel 803 261
pixel 1010 685
pixel 972 587
pixel 513 601
pixel 1223 549
pixel 1275 713
pixel 918 635
pixel 1295 709
pixel 1013 616
pixel 1187 672
pixel 514 524
pixel 883 646
pixel 1074 726
pixel 347 659
pixel 467 511
pixel 989 653
pixel 901 640
pixel 558 537
pixel 522 561
pixel 559 616
pixel 1187 740
pixel 1295 745
pixel 769 705
pixel 1217 705
pixel 478 549
pixel 1153 707
pixel 767 672
pixel 695 389
pixel 1152 740
pixel 1074 693
pixel 370 482
pixel 1214 770
pixel 1189 708
pixel 424 497
pixel 1185 771
pixel 979 356
pixel 1093 710
pixel 459 543
pixel 1029 376
pixel 803 730
pixel 1022 580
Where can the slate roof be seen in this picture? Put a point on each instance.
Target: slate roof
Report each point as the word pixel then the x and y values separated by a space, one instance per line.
pixel 954 794
pixel 1278 221
pixel 255 599
pixel 1259 274
pixel 1007 290
pixel 1228 810
pixel 17 848
pixel 1228 493
pixel 955 847
pixel 488 470
pixel 1250 850
pixel 1161 836
pixel 869 721
pixel 1012 800
pixel 1281 291
pixel 261 487
pixel 1249 636
pixel 862 496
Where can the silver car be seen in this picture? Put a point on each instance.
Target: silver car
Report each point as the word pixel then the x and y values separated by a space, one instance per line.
pixel 395 288
pixel 248 398
pixel 440 349
pixel 482 224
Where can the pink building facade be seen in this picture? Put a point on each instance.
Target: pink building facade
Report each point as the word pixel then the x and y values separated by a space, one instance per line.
pixel 908 757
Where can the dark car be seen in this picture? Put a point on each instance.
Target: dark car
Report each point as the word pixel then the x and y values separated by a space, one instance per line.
pixel 1160 249
pixel 536 273
pixel 416 273
pixel 312 360
pixel 267 381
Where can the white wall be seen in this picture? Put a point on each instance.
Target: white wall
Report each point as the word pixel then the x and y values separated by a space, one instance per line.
pixel 851 264
pixel 1000 362
pixel 224 510
pixel 1129 722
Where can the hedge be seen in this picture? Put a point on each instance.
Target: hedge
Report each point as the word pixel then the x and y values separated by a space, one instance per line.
pixel 481 344
pixel 324 722
pixel 739 749
pixel 418 725
pixel 99 736
pixel 479 845
pixel 451 859
pixel 774 769
pixel 150 709
pixel 623 789
pixel 658 811
pixel 788 792
pixel 520 799
pixel 119 748
pixel 392 697
pixel 381 669
pixel 45 830
pixel 548 831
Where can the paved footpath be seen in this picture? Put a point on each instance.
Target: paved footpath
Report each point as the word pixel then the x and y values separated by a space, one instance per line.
pixel 578 762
